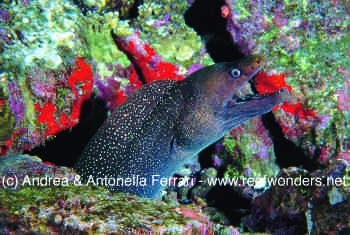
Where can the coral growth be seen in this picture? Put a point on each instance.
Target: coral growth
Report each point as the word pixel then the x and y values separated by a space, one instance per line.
pixel 7 121
pixel 251 149
pixel 42 91
pixel 40 41
pixel 304 203
pixel 267 84
pixel 306 42
pixel 161 23
pixel 80 83
pixel 145 59
pixel 16 101
pixel 6 118
pixel 49 105
pixel 147 66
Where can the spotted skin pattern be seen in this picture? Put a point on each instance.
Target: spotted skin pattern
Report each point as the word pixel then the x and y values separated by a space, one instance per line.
pixel 166 123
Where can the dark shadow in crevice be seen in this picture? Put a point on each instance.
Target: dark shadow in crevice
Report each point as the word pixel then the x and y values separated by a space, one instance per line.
pixel 82 6
pixel 231 203
pixel 127 11
pixel 286 152
pixel 204 16
pixel 133 12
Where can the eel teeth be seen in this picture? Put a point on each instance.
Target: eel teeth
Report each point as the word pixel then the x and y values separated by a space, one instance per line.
pixel 244 93
pixel 247 93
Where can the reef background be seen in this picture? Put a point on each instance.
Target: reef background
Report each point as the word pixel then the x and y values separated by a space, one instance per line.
pixel 61 73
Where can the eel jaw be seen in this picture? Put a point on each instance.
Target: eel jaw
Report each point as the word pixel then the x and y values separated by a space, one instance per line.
pixel 248 93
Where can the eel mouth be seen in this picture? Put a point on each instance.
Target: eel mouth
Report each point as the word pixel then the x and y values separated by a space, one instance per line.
pixel 247 91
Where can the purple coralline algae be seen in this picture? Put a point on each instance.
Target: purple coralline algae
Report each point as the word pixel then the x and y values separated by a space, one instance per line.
pixel 246 22
pixel 16 101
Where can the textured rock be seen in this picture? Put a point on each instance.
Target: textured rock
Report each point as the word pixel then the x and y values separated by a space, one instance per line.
pixel 72 208
pixel 304 201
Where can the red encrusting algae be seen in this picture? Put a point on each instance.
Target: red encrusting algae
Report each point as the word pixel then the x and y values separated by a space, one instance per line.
pixel 2 102
pixel 4 148
pixel 298 110
pixel 47 116
pixel 81 76
pixel 134 80
pixel 146 66
pixel 267 84
pixel 120 97
pixel 81 84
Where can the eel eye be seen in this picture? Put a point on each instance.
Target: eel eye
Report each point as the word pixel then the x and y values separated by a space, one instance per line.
pixel 235 73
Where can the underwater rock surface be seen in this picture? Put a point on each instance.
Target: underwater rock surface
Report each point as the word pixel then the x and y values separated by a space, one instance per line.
pixel 40 208
pixel 301 207
pixel 45 206
pixel 75 210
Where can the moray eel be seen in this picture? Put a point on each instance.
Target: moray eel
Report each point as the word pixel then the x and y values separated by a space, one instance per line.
pixel 165 123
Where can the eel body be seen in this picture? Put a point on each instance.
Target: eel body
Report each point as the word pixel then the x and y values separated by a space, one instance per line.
pixel 165 123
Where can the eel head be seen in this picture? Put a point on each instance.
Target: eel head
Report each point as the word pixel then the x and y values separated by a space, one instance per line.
pixel 229 88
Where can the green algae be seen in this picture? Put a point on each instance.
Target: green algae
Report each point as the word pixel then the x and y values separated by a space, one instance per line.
pixel 242 9
pixel 124 7
pixel 92 209
pixel 232 172
pixel 45 26
pixel 247 159
pixel 7 120
pixel 321 80
pixel 55 33
pixel 161 23
pixel 100 44
pixel 15 200
pixel 101 5
pixel 49 42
